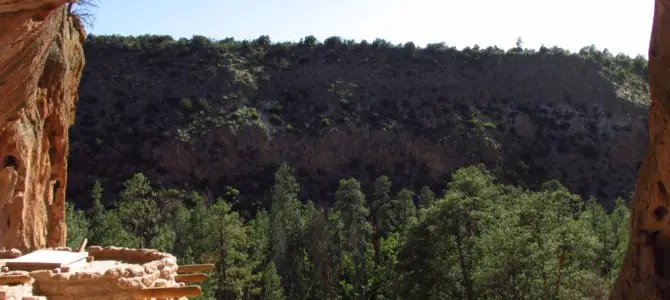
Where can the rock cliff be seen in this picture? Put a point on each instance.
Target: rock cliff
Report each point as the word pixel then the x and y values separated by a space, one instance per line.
pixel 203 115
pixel 40 67
pixel 646 270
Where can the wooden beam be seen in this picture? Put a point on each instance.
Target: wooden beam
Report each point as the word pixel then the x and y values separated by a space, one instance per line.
pixel 168 292
pixel 191 278
pixel 14 279
pixel 83 245
pixel 195 268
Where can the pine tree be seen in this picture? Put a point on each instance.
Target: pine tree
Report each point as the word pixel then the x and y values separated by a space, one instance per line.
pixel 426 197
pixel 164 239
pixel 105 227
pixel 438 259
pixel 227 249
pixel 286 220
pixel 385 276
pixel 321 250
pixel 96 198
pixel 427 265
pixel 109 231
pixel 356 253
pixel 77 225
pixel 382 208
pixel 258 232
pixel 383 219
pixel 271 284
pixel 620 222
pixel 138 209
pixel 404 210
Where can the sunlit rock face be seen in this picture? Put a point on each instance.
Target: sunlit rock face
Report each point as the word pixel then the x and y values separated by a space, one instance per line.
pixel 41 62
pixel 646 270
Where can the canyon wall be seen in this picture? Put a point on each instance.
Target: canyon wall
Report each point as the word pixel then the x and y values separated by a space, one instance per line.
pixel 40 67
pixel 203 115
pixel 646 270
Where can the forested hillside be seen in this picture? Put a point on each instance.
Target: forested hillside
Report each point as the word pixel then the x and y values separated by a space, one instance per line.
pixel 476 239
pixel 211 116
pixel 342 170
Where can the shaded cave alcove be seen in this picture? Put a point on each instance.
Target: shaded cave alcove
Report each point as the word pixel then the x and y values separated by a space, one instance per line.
pixel 10 161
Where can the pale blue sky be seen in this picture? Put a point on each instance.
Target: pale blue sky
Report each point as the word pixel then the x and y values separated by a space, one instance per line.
pixel 619 25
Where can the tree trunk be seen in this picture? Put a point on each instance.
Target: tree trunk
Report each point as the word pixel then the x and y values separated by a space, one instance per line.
pixel 645 273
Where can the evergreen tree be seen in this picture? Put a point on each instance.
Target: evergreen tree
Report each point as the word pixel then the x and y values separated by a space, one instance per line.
pixel 385 277
pixel 271 284
pixel 354 233
pixel 286 220
pixel 198 229
pixel 321 250
pixel 382 208
pixel 258 231
pixel 77 226
pixel 383 220
pixel 427 266
pixel 97 208
pixel 482 240
pixel 138 209
pixel 175 230
pixel 164 239
pixel 105 227
pixel 259 239
pixel 404 210
pixel 96 214
pixel 109 231
pixel 426 197
pixel 438 259
pixel 227 249
pixel 600 224
pixel 620 222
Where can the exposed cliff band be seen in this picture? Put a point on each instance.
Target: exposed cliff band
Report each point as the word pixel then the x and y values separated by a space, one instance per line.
pixel 40 68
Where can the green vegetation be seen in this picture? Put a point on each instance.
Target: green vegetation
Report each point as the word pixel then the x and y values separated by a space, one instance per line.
pixel 251 62
pixel 478 240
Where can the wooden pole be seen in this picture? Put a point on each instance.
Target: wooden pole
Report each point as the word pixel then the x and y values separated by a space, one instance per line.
pixel 191 278
pixel 195 268
pixel 168 292
pixel 83 245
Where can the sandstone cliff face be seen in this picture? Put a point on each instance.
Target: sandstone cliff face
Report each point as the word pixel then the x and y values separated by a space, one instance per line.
pixel 40 67
pixel 646 270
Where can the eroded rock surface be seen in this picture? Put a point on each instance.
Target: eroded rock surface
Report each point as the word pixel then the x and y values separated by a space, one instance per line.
pixel 646 270
pixel 40 67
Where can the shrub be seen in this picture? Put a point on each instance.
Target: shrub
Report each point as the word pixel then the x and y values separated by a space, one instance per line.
pixel 262 41
pixel 310 41
pixel 203 103
pixel 200 42
pixel 381 43
pixel 409 46
pixel 186 103
pixel 275 119
pixel 333 42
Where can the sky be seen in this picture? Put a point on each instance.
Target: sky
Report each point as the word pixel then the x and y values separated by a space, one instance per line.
pixel 621 26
